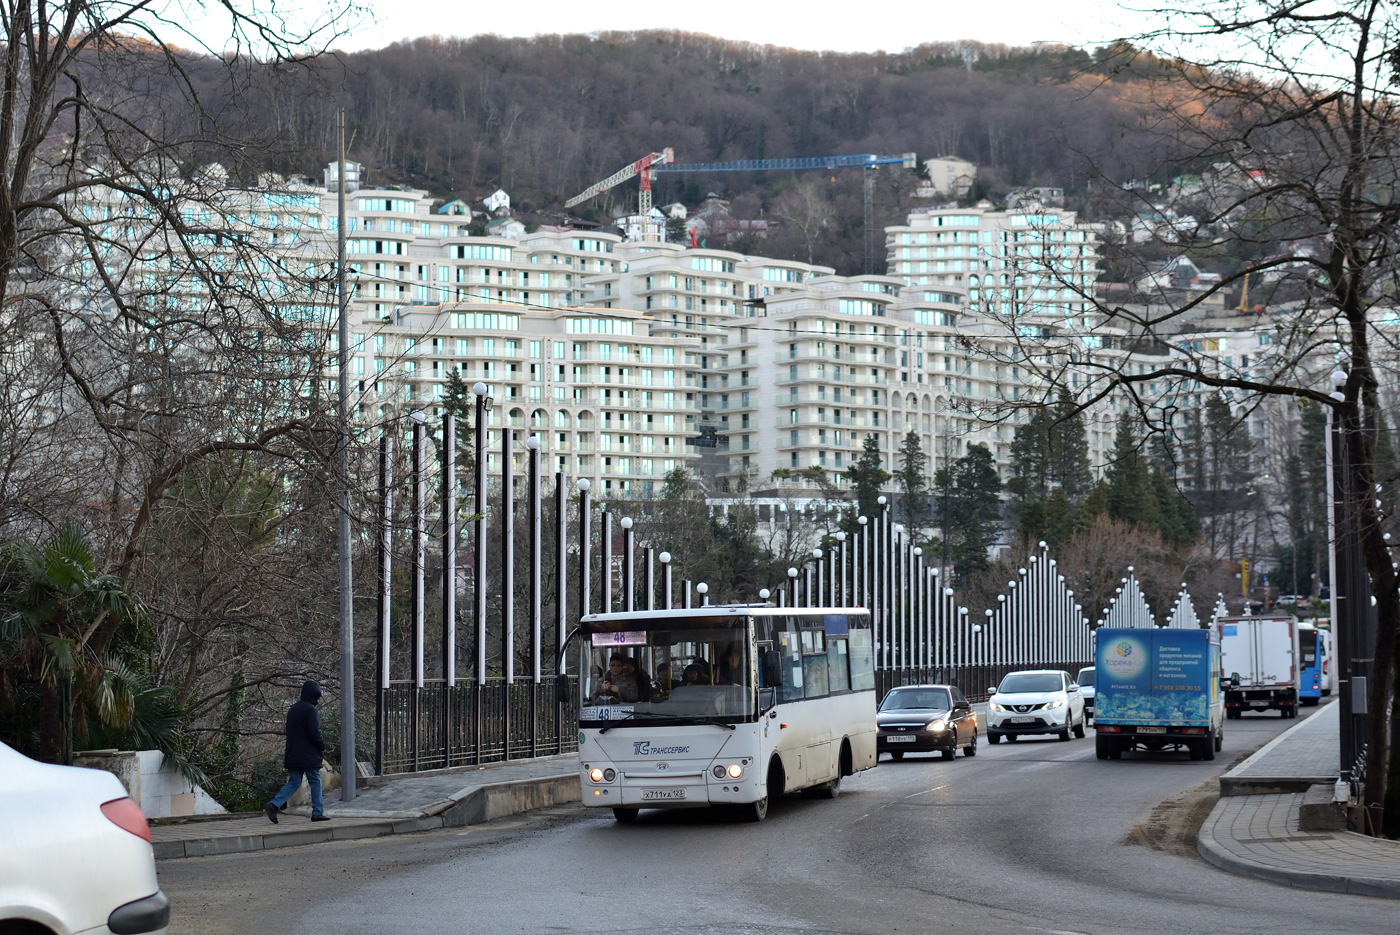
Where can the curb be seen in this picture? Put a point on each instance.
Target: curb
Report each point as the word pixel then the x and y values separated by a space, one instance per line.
pixel 1212 853
pixel 471 806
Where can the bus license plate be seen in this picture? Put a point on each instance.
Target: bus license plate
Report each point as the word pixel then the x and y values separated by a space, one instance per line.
pixel 1152 730
pixel 663 793
pixel 897 739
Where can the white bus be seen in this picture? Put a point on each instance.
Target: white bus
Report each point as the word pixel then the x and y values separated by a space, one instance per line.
pixel 726 705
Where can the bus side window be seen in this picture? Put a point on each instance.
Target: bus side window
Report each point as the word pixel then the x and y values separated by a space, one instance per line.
pixel 837 668
pixel 790 657
pixel 862 654
pixel 815 675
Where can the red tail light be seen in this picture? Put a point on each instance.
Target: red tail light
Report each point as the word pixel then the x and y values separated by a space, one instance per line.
pixel 126 815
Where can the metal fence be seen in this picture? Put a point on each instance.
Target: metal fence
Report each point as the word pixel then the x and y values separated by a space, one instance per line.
pixel 440 726
pixel 480 686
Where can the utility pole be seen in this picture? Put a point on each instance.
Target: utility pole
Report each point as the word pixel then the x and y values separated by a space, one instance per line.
pixel 347 596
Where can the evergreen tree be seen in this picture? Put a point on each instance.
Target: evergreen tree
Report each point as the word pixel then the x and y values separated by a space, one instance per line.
pixel 866 477
pixel 913 480
pixel 1069 449
pixel 970 496
pixel 1130 493
pixel 458 399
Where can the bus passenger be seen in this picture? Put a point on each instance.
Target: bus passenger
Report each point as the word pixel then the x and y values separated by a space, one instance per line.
pixel 639 677
pixel 618 685
pixel 731 669
pixel 661 688
pixel 690 678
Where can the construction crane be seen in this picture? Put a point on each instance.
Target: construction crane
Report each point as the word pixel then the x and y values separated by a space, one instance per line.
pixel 642 167
pixel 664 161
pixel 867 161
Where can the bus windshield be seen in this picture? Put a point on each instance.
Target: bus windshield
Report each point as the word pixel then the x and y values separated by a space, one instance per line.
pixel 668 669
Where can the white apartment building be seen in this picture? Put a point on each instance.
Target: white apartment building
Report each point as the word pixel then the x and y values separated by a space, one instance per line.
pixel 622 356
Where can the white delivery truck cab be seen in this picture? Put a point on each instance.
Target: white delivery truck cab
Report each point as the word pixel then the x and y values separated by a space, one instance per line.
pixel 1259 663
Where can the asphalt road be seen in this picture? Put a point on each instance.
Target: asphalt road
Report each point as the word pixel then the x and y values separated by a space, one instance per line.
pixel 1035 836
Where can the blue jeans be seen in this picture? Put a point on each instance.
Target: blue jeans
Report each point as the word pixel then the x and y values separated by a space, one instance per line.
pixel 294 778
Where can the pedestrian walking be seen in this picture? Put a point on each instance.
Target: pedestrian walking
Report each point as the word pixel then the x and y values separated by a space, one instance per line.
pixel 303 755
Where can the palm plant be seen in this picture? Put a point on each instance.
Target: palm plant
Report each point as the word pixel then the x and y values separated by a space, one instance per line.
pixel 53 686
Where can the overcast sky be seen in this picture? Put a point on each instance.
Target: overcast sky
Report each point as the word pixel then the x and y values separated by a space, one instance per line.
pixel 840 27
pixel 843 27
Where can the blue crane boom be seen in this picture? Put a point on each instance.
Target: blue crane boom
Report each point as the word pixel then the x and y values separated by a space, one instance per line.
pixel 864 160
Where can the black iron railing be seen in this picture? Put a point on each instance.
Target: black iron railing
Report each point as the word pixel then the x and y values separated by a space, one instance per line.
pixel 436 726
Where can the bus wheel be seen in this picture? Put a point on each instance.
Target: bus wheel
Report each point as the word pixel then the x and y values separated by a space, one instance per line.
pixel 827 790
pixel 755 811
pixel 625 816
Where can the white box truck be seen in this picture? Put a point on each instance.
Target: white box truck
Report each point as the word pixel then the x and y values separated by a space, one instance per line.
pixel 1259 663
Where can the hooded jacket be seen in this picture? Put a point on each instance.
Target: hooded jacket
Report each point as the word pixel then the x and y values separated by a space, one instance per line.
pixel 304 743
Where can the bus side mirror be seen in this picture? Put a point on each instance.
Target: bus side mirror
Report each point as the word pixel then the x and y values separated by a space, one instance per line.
pixel 561 689
pixel 772 668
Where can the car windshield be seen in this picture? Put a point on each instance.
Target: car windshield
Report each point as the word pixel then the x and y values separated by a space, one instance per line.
pixel 1086 678
pixel 1031 682
pixel 687 668
pixel 934 699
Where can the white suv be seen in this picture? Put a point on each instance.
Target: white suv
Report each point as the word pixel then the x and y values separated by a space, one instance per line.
pixel 1044 701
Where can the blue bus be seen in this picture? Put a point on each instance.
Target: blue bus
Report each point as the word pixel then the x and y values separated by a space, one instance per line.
pixel 1310 663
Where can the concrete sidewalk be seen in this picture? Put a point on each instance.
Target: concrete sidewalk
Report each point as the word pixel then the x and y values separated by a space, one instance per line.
pixel 1275 819
pixel 396 805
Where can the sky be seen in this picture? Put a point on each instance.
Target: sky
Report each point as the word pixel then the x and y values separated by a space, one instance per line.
pixel 838 27
pixel 894 26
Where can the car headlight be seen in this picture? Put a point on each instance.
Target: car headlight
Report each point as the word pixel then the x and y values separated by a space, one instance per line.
pixel 1057 703
pixel 937 724
pixel 995 707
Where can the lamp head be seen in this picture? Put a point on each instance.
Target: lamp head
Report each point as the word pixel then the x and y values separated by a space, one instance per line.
pixel 626 522
pixel 763 594
pixel 792 572
pixel 665 558
pixel 479 388
pixel 418 416
pixel 702 588
pixel 584 483
pixel 533 443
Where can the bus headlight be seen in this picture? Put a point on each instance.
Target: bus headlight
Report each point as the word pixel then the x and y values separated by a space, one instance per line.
pixel 735 771
pixel 609 775
pixel 718 771
pixel 595 774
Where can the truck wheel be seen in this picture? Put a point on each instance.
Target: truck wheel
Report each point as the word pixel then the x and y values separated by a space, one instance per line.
pixel 1193 749
pixel 1102 745
pixel 1220 739
pixel 1115 749
pixel 1209 745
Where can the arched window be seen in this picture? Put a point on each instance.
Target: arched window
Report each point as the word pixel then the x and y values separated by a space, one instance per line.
pixel 538 419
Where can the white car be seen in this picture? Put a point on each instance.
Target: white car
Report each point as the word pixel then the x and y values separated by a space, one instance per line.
pixel 1045 701
pixel 75 853
pixel 1086 689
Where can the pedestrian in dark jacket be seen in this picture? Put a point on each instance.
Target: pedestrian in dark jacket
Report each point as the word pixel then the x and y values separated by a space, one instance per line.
pixel 303 755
